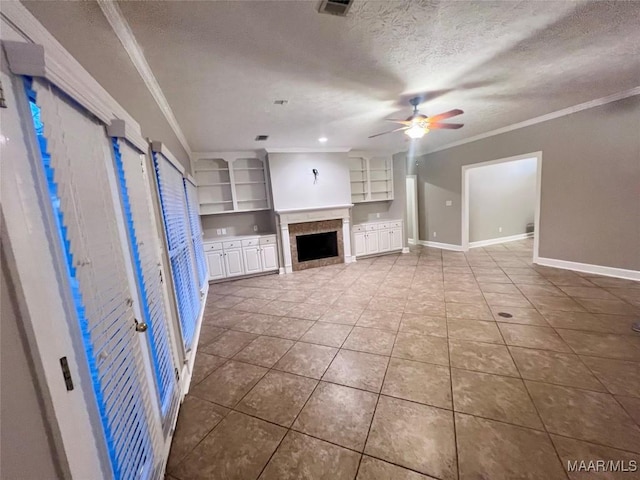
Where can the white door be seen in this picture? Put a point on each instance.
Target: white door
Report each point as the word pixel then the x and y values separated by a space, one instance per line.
pixel 396 238
pixel 360 243
pixel 252 262
pixel 384 240
pixel 233 262
pixel 372 242
pixel 269 256
pixel 412 208
pixel 216 265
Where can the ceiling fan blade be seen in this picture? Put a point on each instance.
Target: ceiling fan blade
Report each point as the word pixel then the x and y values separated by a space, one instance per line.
pixel 394 120
pixel 390 131
pixel 449 114
pixel 450 126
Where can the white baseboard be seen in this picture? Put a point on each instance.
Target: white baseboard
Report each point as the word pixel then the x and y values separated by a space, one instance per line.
pixel 497 241
pixel 190 359
pixel 405 250
pixel 411 241
pixel 442 246
pixel 281 271
pixel 589 268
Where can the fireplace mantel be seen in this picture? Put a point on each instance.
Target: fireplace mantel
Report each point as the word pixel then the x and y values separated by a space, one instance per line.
pixel 313 214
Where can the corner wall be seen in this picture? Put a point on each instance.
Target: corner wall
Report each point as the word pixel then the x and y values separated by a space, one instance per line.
pixel 590 206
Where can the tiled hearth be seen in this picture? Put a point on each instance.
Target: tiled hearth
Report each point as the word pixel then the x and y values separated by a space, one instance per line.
pixel 306 228
pixel 400 367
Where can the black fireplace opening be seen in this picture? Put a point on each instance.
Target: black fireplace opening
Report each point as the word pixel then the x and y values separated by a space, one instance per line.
pixel 317 245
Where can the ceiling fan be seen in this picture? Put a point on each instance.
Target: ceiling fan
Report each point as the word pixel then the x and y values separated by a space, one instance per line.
pixel 417 125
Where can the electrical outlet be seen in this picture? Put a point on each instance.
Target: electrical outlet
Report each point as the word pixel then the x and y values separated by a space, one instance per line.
pixel 377 215
pixel 435 234
pixel 219 231
pixel 255 228
pixel 500 229
pixel 448 203
pixel 224 231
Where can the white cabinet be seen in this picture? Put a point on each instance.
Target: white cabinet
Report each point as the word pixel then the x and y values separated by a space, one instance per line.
pixel 238 256
pixel 378 237
pixel 371 177
pixel 216 265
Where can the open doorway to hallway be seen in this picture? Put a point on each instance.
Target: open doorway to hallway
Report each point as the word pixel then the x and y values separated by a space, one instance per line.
pixel 501 201
pixel 412 210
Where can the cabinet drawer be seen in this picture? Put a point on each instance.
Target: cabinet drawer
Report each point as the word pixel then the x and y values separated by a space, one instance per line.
pixel 397 224
pixel 267 240
pixel 232 244
pixel 384 226
pixel 208 247
pixel 371 227
pixel 250 243
pixel 358 228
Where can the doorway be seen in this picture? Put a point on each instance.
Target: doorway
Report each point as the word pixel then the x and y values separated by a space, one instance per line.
pixel 497 192
pixel 412 210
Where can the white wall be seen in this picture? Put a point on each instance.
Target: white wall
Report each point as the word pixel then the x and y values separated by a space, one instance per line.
pixel 293 184
pixel 501 196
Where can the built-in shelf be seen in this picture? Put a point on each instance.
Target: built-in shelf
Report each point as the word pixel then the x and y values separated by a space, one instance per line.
pixel 368 174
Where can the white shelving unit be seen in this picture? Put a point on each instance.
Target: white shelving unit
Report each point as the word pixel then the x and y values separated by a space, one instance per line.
pixel 371 178
pixel 231 182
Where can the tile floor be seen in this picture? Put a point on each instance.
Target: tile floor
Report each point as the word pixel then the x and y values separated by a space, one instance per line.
pixel 402 367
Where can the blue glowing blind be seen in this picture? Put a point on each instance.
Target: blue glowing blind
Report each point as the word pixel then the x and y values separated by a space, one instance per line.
pixel 196 231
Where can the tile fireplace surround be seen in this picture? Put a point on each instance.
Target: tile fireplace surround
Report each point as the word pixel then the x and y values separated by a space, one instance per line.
pixel 294 222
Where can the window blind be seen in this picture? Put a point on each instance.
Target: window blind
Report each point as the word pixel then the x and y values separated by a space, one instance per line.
pixel 196 231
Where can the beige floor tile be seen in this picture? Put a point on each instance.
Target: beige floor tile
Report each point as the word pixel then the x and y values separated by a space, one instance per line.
pixel 630 295
pixel 204 365
pixel 387 304
pixel 278 397
pixel 498 288
pixel 571 451
pixel 196 419
pixel 399 292
pixel 507 300
pixel 493 396
pixel 602 345
pixel 541 291
pixel 588 292
pixel 290 328
pixel 296 296
pixel 555 304
pixel 308 311
pixel 530 336
pixel 225 318
pixel 474 330
pixel 425 307
pixel 453 296
pixel 476 311
pixel 619 376
pixel 418 382
pixel 229 343
pixel 303 457
pixel 524 316
pixel 278 308
pixel 352 301
pixel 553 367
pixel 307 359
pixel 593 322
pixel 229 383
pixel 264 351
pixel 481 357
pixel 253 305
pixel 208 333
pixel 497 451
pixel 370 340
pixel 615 307
pixel 422 348
pixel 237 449
pixel 330 334
pixel 358 370
pixel 342 315
pixel 414 436
pixel 380 319
pixel 631 405
pixel 323 297
pixel 374 469
pixel 592 416
pixel 424 325
pixel 338 414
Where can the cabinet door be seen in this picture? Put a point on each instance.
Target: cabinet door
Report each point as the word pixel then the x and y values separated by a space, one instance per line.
pixel 252 262
pixel 360 244
pixel 269 256
pixel 384 240
pixel 372 242
pixel 396 238
pixel 233 262
pixel 216 265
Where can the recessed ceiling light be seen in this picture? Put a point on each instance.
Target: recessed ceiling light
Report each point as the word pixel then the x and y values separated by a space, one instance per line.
pixel 323 139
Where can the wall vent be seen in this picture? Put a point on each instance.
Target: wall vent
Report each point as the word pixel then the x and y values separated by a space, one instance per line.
pixel 335 7
pixel 261 138
pixel 280 102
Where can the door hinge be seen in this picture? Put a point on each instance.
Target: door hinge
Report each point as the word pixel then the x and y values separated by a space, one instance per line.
pixel 66 373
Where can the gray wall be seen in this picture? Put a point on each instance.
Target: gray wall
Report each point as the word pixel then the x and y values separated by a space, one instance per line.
pixel 590 207
pixel 501 196
pixel 393 209
pixel 93 43
pixel 238 223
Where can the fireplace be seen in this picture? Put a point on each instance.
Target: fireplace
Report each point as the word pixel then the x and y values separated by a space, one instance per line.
pixel 317 245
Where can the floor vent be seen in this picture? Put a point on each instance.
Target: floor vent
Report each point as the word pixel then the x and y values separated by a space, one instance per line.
pixel 335 7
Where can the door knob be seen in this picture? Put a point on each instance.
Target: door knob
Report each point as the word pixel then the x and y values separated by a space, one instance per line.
pixel 141 327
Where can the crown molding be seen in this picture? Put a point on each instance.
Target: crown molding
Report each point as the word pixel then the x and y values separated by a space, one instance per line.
pixel 123 31
pixel 543 118
pixel 309 150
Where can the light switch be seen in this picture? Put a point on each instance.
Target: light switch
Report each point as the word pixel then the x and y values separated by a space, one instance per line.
pixel 219 231
pixel 224 231
pixel 448 203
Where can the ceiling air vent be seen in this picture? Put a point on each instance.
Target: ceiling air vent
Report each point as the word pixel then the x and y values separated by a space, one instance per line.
pixel 335 7
pixel 261 138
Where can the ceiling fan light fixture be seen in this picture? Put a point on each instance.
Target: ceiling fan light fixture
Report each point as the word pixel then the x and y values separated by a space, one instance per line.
pixel 416 131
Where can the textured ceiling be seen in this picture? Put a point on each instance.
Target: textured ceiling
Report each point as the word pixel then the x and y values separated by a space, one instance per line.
pixel 222 64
